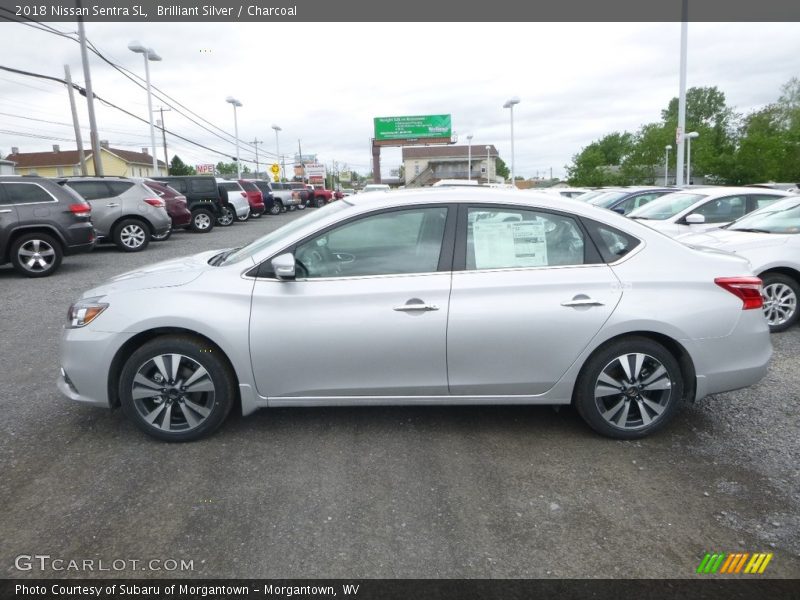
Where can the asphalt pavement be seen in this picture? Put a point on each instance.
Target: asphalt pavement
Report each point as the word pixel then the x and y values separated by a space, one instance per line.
pixel 406 492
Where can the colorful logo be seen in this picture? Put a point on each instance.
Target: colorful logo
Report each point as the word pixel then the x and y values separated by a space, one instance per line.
pixel 734 563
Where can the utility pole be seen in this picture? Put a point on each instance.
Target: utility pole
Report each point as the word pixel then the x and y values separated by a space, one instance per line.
pixel 302 164
pixel 96 158
pixel 164 138
pixel 78 138
pixel 256 142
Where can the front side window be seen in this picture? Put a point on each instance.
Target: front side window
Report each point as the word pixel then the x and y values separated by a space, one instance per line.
pixel 91 190
pixel 723 210
pixel 507 238
pixel 205 185
pixel 390 243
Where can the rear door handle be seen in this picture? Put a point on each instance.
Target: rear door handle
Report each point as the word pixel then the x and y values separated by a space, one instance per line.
pixel 413 307
pixel 113 204
pixel 582 302
pixel 7 210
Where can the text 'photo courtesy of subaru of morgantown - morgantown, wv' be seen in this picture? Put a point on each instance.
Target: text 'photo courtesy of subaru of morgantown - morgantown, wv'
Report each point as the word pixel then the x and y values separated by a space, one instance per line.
pixel 441 296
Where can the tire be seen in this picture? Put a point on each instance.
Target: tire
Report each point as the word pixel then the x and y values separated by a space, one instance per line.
pixel 301 206
pixel 256 215
pixel 36 254
pixel 291 208
pixel 163 237
pixel 629 407
pixel 131 235
pixel 175 412
pixel 276 208
pixel 320 202
pixel 202 220
pixel 244 218
pixel 226 216
pixel 781 294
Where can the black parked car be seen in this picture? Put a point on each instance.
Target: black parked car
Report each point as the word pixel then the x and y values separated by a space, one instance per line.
pixel 202 198
pixel 270 205
pixel 40 222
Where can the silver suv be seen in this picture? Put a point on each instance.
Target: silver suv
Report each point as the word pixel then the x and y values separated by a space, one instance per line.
pixel 123 211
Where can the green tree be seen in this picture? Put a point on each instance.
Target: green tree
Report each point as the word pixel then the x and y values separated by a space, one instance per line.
pixel 178 167
pixel 599 163
pixel 226 169
pixel 501 169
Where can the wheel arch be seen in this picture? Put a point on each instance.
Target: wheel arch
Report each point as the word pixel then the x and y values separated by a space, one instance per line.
pixel 129 347
pixel 787 271
pixel 674 347
pixel 26 229
pixel 127 217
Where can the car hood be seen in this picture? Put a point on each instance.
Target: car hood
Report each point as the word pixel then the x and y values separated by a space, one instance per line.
pixel 733 241
pixel 169 273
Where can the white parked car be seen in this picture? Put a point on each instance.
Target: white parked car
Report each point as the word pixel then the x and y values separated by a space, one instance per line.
pixel 698 210
pixel 375 187
pixel 448 296
pixel 770 240
pixel 237 200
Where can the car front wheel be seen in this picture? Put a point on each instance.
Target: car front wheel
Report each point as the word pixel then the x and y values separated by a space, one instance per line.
pixel 177 388
pixel 780 301
pixel 276 208
pixel 226 216
pixel 36 254
pixel 629 389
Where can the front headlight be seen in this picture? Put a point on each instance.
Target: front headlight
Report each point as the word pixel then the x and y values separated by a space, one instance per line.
pixel 85 311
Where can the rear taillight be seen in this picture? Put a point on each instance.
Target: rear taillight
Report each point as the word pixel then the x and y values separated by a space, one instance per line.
pixel 243 194
pixel 157 202
pixel 81 210
pixel 746 288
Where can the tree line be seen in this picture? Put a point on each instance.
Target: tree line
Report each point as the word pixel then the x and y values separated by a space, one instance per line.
pixel 732 149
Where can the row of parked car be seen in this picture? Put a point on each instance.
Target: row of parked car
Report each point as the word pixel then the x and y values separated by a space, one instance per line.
pixel 42 220
pixel 760 223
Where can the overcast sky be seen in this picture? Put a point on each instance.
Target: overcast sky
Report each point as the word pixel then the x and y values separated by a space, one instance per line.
pixel 324 83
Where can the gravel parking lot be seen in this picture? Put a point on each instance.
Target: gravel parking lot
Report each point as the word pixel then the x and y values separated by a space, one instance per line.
pixel 476 492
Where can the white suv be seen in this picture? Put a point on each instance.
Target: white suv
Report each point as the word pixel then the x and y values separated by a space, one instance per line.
pixel 237 208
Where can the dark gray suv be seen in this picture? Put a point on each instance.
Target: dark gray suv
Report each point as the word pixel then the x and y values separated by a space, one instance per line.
pixel 40 222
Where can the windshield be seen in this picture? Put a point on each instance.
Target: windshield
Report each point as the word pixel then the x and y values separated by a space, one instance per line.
pixel 666 206
pixel 607 199
pixel 287 230
pixel 589 195
pixel 781 217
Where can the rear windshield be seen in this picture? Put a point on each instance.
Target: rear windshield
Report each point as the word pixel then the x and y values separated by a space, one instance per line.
pixel 666 207
pixel 250 187
pixel 203 185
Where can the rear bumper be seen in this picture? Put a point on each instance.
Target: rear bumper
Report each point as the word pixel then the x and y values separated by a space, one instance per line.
pixel 181 219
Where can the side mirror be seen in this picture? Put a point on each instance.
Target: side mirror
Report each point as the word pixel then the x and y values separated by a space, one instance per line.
pixel 284 266
pixel 619 209
pixel 695 219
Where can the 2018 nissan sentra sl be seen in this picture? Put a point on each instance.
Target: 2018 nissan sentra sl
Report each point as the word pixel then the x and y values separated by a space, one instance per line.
pixel 447 296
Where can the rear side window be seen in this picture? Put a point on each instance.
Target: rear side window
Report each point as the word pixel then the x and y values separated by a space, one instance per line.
pixel 249 187
pixel 203 185
pixel 26 193
pixel 612 243
pixel 91 190
pixel 119 187
pixel 178 184
pixel 762 200
pixel 230 186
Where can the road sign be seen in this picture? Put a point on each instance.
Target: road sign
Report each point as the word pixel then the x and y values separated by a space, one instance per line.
pixel 276 179
pixel 275 168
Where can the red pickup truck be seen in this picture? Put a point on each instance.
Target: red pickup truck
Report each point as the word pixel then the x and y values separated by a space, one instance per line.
pixel 322 196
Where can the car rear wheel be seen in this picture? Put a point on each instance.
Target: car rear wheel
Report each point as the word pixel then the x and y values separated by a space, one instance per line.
pixel 202 220
pixel 244 218
pixel 131 235
pixel 629 388
pixel 301 206
pixel 276 208
pixel 36 254
pixel 320 202
pixel 257 214
pixel 163 237
pixel 177 388
pixel 780 301
pixel 226 216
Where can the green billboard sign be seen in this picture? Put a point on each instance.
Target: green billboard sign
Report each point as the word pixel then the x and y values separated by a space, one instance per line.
pixel 411 128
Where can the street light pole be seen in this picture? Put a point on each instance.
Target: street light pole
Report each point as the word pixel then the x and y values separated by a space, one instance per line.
pixel 689 138
pixel 469 157
pixel 148 54
pixel 668 147
pixel 278 149
pixel 510 104
pixel 236 103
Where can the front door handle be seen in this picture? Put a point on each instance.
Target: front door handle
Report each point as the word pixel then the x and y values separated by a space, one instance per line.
pixel 113 204
pixel 6 210
pixel 414 307
pixel 584 301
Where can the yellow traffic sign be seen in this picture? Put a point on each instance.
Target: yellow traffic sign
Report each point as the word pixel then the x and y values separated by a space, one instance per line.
pixel 276 179
pixel 275 168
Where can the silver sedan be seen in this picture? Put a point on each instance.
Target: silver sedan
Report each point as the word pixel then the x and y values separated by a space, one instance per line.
pixel 770 239
pixel 448 296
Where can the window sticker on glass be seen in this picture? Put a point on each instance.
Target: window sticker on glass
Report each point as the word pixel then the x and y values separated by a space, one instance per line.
pixel 509 244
